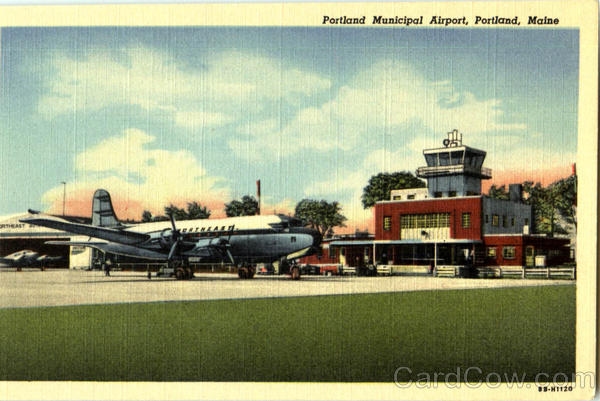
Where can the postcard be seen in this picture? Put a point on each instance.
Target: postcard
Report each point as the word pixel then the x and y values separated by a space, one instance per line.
pixel 392 200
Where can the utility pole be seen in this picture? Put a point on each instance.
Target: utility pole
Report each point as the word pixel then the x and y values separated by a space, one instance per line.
pixel 64 195
pixel 258 196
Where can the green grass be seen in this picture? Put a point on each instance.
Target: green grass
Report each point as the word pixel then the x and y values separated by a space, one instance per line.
pixel 327 338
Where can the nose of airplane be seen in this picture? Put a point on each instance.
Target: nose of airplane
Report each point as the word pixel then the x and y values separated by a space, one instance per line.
pixel 316 236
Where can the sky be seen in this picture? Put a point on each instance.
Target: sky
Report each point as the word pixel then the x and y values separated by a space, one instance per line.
pixel 165 115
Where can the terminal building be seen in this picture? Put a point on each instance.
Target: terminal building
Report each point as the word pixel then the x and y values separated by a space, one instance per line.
pixel 450 223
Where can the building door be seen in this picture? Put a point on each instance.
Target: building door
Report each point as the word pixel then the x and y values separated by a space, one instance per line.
pixel 529 256
pixel 343 256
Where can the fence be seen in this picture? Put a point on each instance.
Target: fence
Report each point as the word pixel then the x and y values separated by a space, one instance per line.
pixel 213 267
pixel 567 273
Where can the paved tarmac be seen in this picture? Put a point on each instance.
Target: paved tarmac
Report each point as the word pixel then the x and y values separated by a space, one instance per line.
pixel 34 288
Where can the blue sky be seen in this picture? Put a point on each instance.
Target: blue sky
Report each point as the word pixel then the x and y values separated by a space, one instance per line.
pixel 172 114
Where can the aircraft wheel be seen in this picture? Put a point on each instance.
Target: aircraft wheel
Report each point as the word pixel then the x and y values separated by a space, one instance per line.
pixel 243 272
pixel 295 272
pixel 251 271
pixel 180 273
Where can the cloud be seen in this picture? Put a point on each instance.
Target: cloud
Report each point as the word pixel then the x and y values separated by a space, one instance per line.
pixel 198 119
pixel 226 87
pixel 381 98
pixel 138 177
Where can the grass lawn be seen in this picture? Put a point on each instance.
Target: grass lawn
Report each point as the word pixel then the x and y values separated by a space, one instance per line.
pixel 325 338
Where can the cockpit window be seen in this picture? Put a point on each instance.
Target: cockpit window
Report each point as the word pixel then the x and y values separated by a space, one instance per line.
pixel 287 222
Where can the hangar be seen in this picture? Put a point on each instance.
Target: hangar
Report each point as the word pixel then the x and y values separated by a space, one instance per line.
pixel 16 236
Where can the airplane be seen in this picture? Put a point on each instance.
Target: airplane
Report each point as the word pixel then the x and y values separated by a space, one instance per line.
pixel 27 258
pixel 243 241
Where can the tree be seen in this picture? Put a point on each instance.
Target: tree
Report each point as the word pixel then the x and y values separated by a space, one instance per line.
pixel 498 192
pixel 197 211
pixel 567 201
pixel 146 216
pixel 321 215
pixel 381 185
pixel 177 212
pixel 544 204
pixel 248 206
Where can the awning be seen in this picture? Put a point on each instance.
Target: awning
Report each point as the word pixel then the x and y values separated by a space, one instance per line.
pixel 420 242
pixel 347 243
pixel 404 242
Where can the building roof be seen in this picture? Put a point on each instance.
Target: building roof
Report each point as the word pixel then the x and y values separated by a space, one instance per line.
pixel 443 199
pixel 404 242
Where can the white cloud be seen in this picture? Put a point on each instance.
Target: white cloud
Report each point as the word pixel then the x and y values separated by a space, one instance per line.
pixel 142 177
pixel 227 85
pixel 198 119
pixel 385 96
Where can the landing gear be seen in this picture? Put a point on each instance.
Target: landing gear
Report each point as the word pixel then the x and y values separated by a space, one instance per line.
pixel 292 268
pixel 295 272
pixel 246 272
pixel 180 269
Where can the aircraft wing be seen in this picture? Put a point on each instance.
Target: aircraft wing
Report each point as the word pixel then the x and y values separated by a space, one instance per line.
pixel 105 233
pixel 92 244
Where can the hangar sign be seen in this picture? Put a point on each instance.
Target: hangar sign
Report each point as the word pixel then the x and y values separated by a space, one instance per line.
pixel 11 227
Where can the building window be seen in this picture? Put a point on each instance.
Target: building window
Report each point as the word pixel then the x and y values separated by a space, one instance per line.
pixel 512 221
pixel 487 219
pixel 526 222
pixel 293 239
pixel 410 197
pixel 495 220
pixel 431 220
pixel 331 253
pixel 451 194
pixel 491 252
pixel 397 197
pixel 387 223
pixel 504 221
pixel 437 194
pixel 508 252
pixel 466 220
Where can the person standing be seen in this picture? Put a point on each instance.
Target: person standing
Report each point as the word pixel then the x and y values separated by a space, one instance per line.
pixel 107 265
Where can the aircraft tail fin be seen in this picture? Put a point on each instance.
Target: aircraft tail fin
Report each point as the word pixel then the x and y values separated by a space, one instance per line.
pixel 103 214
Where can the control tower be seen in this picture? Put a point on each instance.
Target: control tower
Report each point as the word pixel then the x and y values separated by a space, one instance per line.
pixel 455 169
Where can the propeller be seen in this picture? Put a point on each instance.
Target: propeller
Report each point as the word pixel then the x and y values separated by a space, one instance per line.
pixel 176 241
pixel 229 255
pixel 227 246
pixel 223 246
pixel 175 237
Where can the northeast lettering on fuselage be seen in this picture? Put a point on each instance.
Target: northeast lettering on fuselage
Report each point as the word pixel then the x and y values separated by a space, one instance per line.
pixel 207 229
